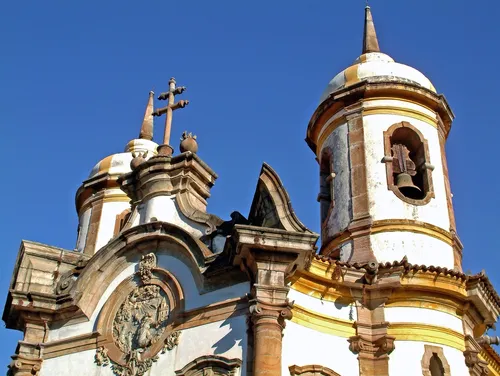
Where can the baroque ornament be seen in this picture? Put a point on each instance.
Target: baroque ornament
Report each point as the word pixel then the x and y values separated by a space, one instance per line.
pixel 139 323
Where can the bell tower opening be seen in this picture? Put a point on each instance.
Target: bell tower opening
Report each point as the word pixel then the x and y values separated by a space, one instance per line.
pixel 325 196
pixel 407 164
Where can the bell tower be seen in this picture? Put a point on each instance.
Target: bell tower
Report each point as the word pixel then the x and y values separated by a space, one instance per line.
pixel 379 136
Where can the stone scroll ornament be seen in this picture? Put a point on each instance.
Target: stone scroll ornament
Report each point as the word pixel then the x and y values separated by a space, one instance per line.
pixel 140 322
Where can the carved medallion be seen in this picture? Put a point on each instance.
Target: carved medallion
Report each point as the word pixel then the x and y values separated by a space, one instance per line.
pixel 135 321
pixel 141 319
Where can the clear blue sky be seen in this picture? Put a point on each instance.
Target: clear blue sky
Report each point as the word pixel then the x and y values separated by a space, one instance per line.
pixel 75 77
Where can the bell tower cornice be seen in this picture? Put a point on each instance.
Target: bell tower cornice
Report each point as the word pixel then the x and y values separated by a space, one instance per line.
pixel 337 104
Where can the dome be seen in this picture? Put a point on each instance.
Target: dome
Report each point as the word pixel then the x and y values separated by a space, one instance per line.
pixel 118 164
pixel 373 66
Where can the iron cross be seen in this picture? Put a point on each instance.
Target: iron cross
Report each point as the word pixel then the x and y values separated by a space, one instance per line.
pixel 171 107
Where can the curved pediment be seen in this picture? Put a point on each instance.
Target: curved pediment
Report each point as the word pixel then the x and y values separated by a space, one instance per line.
pixel 271 206
pixel 111 260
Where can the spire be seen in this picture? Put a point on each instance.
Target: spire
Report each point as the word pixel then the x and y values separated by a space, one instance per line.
pixel 370 41
pixel 147 123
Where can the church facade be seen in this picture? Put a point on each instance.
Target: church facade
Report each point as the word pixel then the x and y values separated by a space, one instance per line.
pixel 156 285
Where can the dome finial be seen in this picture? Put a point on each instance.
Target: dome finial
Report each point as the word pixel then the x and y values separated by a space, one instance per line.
pixel 147 123
pixel 370 41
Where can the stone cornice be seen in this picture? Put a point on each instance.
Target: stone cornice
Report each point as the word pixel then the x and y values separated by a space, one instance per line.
pixel 377 88
pixel 185 177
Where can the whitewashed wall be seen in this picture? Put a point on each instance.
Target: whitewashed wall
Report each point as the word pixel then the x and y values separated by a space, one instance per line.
pixel 108 222
pixel 83 229
pixel 226 338
pixel 164 208
pixel 303 346
pixel 406 359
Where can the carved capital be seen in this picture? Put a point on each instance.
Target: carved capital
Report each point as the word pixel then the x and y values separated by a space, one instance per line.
pixel 24 366
pixel 267 313
pixel 475 364
pixel 381 346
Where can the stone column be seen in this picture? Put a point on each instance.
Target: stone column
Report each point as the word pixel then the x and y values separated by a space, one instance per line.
pixel 268 321
pixel 269 309
pixel 269 256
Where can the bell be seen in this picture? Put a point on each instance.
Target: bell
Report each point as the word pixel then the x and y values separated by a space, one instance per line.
pixel 406 186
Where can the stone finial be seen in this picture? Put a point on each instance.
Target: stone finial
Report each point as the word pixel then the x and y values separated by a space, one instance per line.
pixel 370 41
pixel 147 124
pixel 188 143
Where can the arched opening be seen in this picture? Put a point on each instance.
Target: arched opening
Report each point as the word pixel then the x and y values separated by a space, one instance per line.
pixel 121 220
pixel 326 187
pixel 407 164
pixel 434 362
pixel 436 366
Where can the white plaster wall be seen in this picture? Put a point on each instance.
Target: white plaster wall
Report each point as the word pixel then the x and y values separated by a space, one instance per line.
pixel 84 222
pixel 419 248
pixel 108 220
pixel 303 346
pixel 423 316
pixel 338 310
pixel 77 364
pixel 164 208
pixel 383 203
pixel 174 263
pixel 341 213
pixel 407 356
pixel 225 338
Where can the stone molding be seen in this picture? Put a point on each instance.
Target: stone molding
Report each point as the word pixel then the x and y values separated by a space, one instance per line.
pixel 429 352
pixel 185 177
pixel 365 89
pixel 271 205
pixel 311 370
pixel 210 365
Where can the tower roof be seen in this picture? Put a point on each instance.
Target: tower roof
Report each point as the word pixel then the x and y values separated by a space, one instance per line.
pixel 370 41
pixel 373 65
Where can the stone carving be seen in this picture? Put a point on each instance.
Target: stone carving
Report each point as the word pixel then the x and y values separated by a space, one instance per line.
pixel 101 356
pixel 135 365
pixel 171 341
pixel 383 345
pixel 148 262
pixel 141 319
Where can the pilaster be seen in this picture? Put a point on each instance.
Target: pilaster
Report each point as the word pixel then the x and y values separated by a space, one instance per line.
pixel 372 342
pixel 269 257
